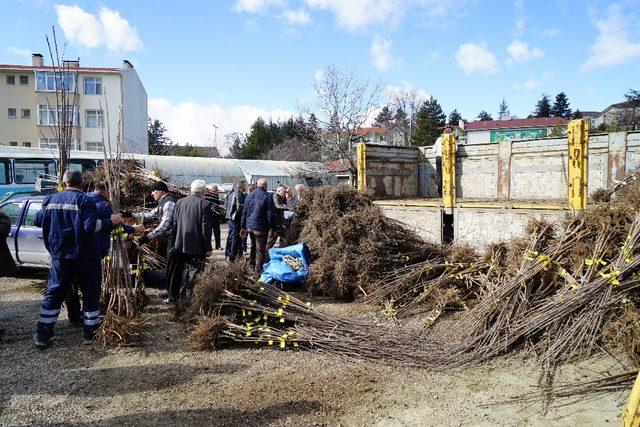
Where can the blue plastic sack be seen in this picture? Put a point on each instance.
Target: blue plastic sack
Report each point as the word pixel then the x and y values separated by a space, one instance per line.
pixel 277 270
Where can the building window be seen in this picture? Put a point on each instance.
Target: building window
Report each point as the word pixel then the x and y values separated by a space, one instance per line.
pixel 25 113
pixel 11 80
pixel 26 144
pixel 13 143
pixel 24 80
pixel 48 81
pixel 94 146
pixel 52 143
pixel 383 138
pixel 12 113
pixel 93 85
pixel 49 115
pixel 94 118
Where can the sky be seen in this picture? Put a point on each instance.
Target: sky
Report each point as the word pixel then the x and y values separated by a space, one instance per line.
pixel 211 68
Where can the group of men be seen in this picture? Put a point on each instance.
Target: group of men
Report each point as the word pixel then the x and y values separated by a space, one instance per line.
pixel 77 228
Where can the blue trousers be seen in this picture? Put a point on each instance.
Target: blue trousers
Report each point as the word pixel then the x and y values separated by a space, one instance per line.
pixel 233 249
pixel 88 274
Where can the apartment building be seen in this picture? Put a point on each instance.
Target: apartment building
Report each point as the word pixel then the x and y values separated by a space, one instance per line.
pixel 28 109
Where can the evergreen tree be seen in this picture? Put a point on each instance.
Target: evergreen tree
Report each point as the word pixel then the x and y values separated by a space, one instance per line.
pixel 483 116
pixel 429 122
pixel 632 95
pixel 543 107
pixel 561 106
pixel 159 143
pixel 454 118
pixel 576 114
pixel 384 118
pixel 503 109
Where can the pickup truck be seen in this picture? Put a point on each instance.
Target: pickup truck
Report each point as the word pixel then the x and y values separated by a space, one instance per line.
pixel 25 239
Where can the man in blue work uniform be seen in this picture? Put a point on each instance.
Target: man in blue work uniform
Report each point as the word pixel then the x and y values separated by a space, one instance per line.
pixel 100 197
pixel 70 228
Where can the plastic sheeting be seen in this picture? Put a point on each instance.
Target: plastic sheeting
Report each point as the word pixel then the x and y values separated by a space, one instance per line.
pixel 278 270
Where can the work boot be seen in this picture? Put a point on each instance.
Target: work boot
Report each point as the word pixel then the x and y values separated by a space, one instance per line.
pixel 40 343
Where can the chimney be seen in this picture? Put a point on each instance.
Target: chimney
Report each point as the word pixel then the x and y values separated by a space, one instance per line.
pixel 127 65
pixel 69 64
pixel 37 60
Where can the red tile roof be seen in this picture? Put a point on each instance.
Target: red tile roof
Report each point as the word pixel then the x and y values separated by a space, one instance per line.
pixel 81 69
pixel 372 131
pixel 515 123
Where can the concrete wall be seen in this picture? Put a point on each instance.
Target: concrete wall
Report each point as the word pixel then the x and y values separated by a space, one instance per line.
pixel 392 172
pixel 506 170
pixel 475 226
pixel 135 114
pixel 426 222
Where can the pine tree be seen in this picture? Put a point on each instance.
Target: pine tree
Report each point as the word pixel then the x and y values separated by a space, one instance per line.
pixel 429 122
pixel 543 107
pixel 561 106
pixel 503 110
pixel 454 118
pixel 159 142
pixel 384 118
pixel 576 114
pixel 483 116
pixel 632 95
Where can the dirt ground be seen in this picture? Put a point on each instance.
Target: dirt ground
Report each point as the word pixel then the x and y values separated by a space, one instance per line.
pixel 163 382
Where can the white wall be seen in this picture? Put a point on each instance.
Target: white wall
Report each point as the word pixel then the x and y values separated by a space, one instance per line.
pixel 135 113
pixel 478 137
pixel 110 100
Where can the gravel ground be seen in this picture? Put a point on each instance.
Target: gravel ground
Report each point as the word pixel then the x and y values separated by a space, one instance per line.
pixel 163 382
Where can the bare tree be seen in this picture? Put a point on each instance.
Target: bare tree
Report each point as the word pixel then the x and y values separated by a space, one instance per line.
pixel 62 112
pixel 343 105
pixel 408 100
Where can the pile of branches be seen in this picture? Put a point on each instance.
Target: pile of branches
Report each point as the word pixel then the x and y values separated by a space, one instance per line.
pixel 352 243
pixel 229 305
pixel 573 288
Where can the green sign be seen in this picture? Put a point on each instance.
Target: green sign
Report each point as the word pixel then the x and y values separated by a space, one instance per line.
pixel 506 135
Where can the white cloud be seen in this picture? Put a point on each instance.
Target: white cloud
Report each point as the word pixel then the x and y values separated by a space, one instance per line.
pixel 189 122
pixel 25 53
pixel 528 85
pixel 477 58
pixel 252 26
pixel 614 44
pixel 318 75
pixel 520 52
pixel 404 87
pixel 534 83
pixel 298 17
pixel 381 57
pixel 551 32
pixel 253 6
pixel 357 14
pixel 520 25
pixel 108 29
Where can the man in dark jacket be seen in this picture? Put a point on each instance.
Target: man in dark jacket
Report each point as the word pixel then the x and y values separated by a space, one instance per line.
pixel 234 208
pixel 281 206
pixel 217 213
pixel 258 218
pixel 100 196
pixel 192 239
pixel 70 229
pixel 7 265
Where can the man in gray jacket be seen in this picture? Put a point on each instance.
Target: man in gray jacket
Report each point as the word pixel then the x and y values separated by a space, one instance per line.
pixel 234 208
pixel 192 239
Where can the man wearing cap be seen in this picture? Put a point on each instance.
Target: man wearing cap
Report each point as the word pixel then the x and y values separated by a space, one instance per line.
pixel 163 212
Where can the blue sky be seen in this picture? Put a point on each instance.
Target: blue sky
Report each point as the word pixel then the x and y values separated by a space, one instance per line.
pixel 226 62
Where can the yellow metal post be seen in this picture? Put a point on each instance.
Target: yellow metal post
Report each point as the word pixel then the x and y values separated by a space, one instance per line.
pixel 578 135
pixel 631 413
pixel 361 152
pixel 448 172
